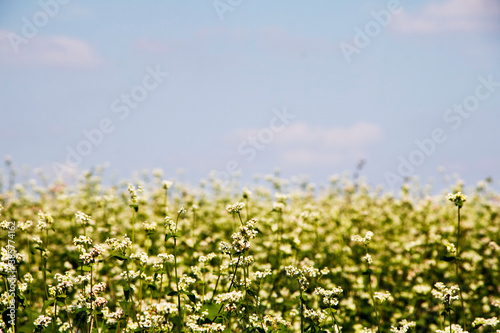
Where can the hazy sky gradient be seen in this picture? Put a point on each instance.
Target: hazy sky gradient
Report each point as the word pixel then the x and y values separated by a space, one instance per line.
pixel 228 77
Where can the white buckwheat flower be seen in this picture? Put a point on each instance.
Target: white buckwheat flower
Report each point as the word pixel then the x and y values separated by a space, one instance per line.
pixel 236 208
pixel 42 321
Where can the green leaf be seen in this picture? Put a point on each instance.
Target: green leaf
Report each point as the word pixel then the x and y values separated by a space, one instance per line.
pixel 368 271
pixel 20 298
pixel 212 310
pixel 168 236
pixel 84 268
pixel 191 297
pixel 6 318
pixel 126 292
pixel 173 293
pixel 448 258
pixel 119 257
pixel 47 303
pixel 251 293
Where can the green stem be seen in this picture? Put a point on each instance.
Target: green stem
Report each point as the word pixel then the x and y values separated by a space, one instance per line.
pixel 177 284
pixel 140 296
pixel 301 311
pixel 232 281
pixel 216 285
pixel 133 228
pixel 246 208
pixel 165 202
pixel 457 269
pixel 55 315
pixel 245 274
pixel 193 226
pixel 371 293
pixel 67 312
pixel 234 273
pixel 449 319
pixel 373 301
pixel 278 246
pixel 334 320
pixel 44 271
pixel 30 299
pixel 131 299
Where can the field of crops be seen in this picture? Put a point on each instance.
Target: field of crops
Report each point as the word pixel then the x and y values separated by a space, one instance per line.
pixel 150 255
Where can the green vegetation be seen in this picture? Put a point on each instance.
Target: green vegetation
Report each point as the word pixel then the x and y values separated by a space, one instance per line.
pixel 282 256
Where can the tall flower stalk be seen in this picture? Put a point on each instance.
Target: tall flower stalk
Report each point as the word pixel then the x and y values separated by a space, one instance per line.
pixel 135 207
pixel 458 199
pixel 171 228
pixel 368 259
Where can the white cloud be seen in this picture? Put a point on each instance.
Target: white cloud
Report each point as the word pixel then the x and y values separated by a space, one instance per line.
pixel 303 157
pixel 356 136
pixel 315 145
pixel 305 145
pixel 451 16
pixel 52 51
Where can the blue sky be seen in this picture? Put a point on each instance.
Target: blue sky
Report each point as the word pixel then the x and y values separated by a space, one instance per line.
pixel 247 86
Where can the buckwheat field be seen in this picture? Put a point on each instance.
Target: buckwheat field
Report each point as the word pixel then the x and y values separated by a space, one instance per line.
pixel 155 255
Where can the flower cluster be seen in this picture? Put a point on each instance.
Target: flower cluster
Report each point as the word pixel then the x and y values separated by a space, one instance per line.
pixel 381 297
pixel 301 274
pixel 185 281
pixel 364 240
pixel 116 245
pixel 454 329
pixel 445 294
pixel 404 326
pixel 458 199
pixel 81 243
pixel 274 322
pixel 90 257
pixel 207 258
pixel 368 259
pixel 204 328
pixel 170 225
pixel 44 220
pixel 149 226
pixel 262 275
pixel 316 316
pixel 450 248
pixel 229 299
pixel 241 239
pixel 112 317
pixel 65 282
pixel 485 322
pixel 133 193
pixel 82 218
pixel 329 296
pixel 42 321
pixel 236 208
pixel 141 257
pixel 167 184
